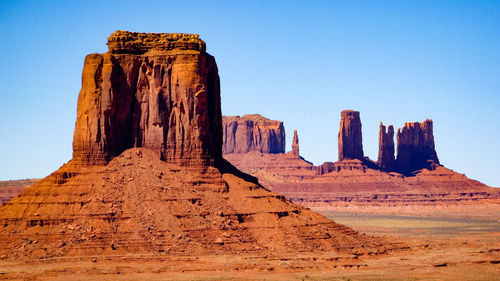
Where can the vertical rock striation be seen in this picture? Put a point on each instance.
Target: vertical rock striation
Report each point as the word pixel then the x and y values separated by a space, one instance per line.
pixel 152 90
pixel 350 138
pixel 386 148
pixel 295 144
pixel 252 132
pixel 416 147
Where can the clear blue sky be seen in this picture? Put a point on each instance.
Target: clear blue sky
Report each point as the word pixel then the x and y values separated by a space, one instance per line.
pixel 297 61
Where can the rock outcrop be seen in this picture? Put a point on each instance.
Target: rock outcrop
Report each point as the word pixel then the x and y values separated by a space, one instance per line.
pixel 416 147
pixel 158 91
pixel 350 137
pixel 386 157
pixel 146 109
pixel 295 144
pixel 252 132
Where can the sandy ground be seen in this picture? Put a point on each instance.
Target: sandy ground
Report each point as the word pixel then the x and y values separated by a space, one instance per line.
pixel 443 248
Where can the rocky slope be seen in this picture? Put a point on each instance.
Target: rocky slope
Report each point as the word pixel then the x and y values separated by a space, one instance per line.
pixel 147 177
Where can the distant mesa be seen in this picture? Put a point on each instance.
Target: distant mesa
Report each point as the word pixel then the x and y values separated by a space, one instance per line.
pixel 413 176
pixel 253 132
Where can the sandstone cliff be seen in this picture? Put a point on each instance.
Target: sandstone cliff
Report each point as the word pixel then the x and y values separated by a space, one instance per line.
pixel 252 132
pixel 350 137
pixel 386 148
pixel 416 147
pixel 159 91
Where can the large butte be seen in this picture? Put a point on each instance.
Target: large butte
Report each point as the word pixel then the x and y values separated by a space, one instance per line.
pixel 147 174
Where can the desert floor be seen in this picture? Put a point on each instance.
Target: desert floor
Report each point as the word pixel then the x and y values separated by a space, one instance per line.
pixel 442 248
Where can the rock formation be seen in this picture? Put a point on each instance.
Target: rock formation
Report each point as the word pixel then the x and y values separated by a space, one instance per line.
pixel 295 144
pixel 350 138
pixel 159 91
pixel 252 132
pixel 146 109
pixel 386 148
pixel 358 183
pixel 416 147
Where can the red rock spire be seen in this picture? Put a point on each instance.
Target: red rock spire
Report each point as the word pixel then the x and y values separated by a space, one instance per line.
pixel 386 148
pixel 295 144
pixel 350 138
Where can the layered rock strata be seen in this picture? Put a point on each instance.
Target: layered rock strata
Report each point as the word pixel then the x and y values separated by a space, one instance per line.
pixel 416 147
pixel 386 157
pixel 252 132
pixel 158 91
pixel 350 139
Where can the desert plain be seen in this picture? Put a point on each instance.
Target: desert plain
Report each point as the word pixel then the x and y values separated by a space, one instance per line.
pixel 161 186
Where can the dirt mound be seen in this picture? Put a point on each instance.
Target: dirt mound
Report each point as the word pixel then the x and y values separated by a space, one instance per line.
pixel 140 204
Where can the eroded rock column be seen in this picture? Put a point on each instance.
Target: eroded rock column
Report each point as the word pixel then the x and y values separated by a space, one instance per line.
pixel 386 157
pixel 416 146
pixel 350 140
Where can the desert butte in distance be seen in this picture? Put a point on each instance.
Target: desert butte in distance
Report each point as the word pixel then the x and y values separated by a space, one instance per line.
pixel 148 193
pixel 413 183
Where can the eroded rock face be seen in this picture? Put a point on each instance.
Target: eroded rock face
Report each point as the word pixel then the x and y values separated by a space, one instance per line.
pixel 416 147
pixel 295 144
pixel 386 148
pixel 158 91
pixel 350 137
pixel 252 132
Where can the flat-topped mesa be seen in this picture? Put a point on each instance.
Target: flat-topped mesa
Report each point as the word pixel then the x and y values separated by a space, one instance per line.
pixel 252 132
pixel 295 144
pixel 416 147
pixel 386 148
pixel 350 139
pixel 167 101
pixel 125 42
